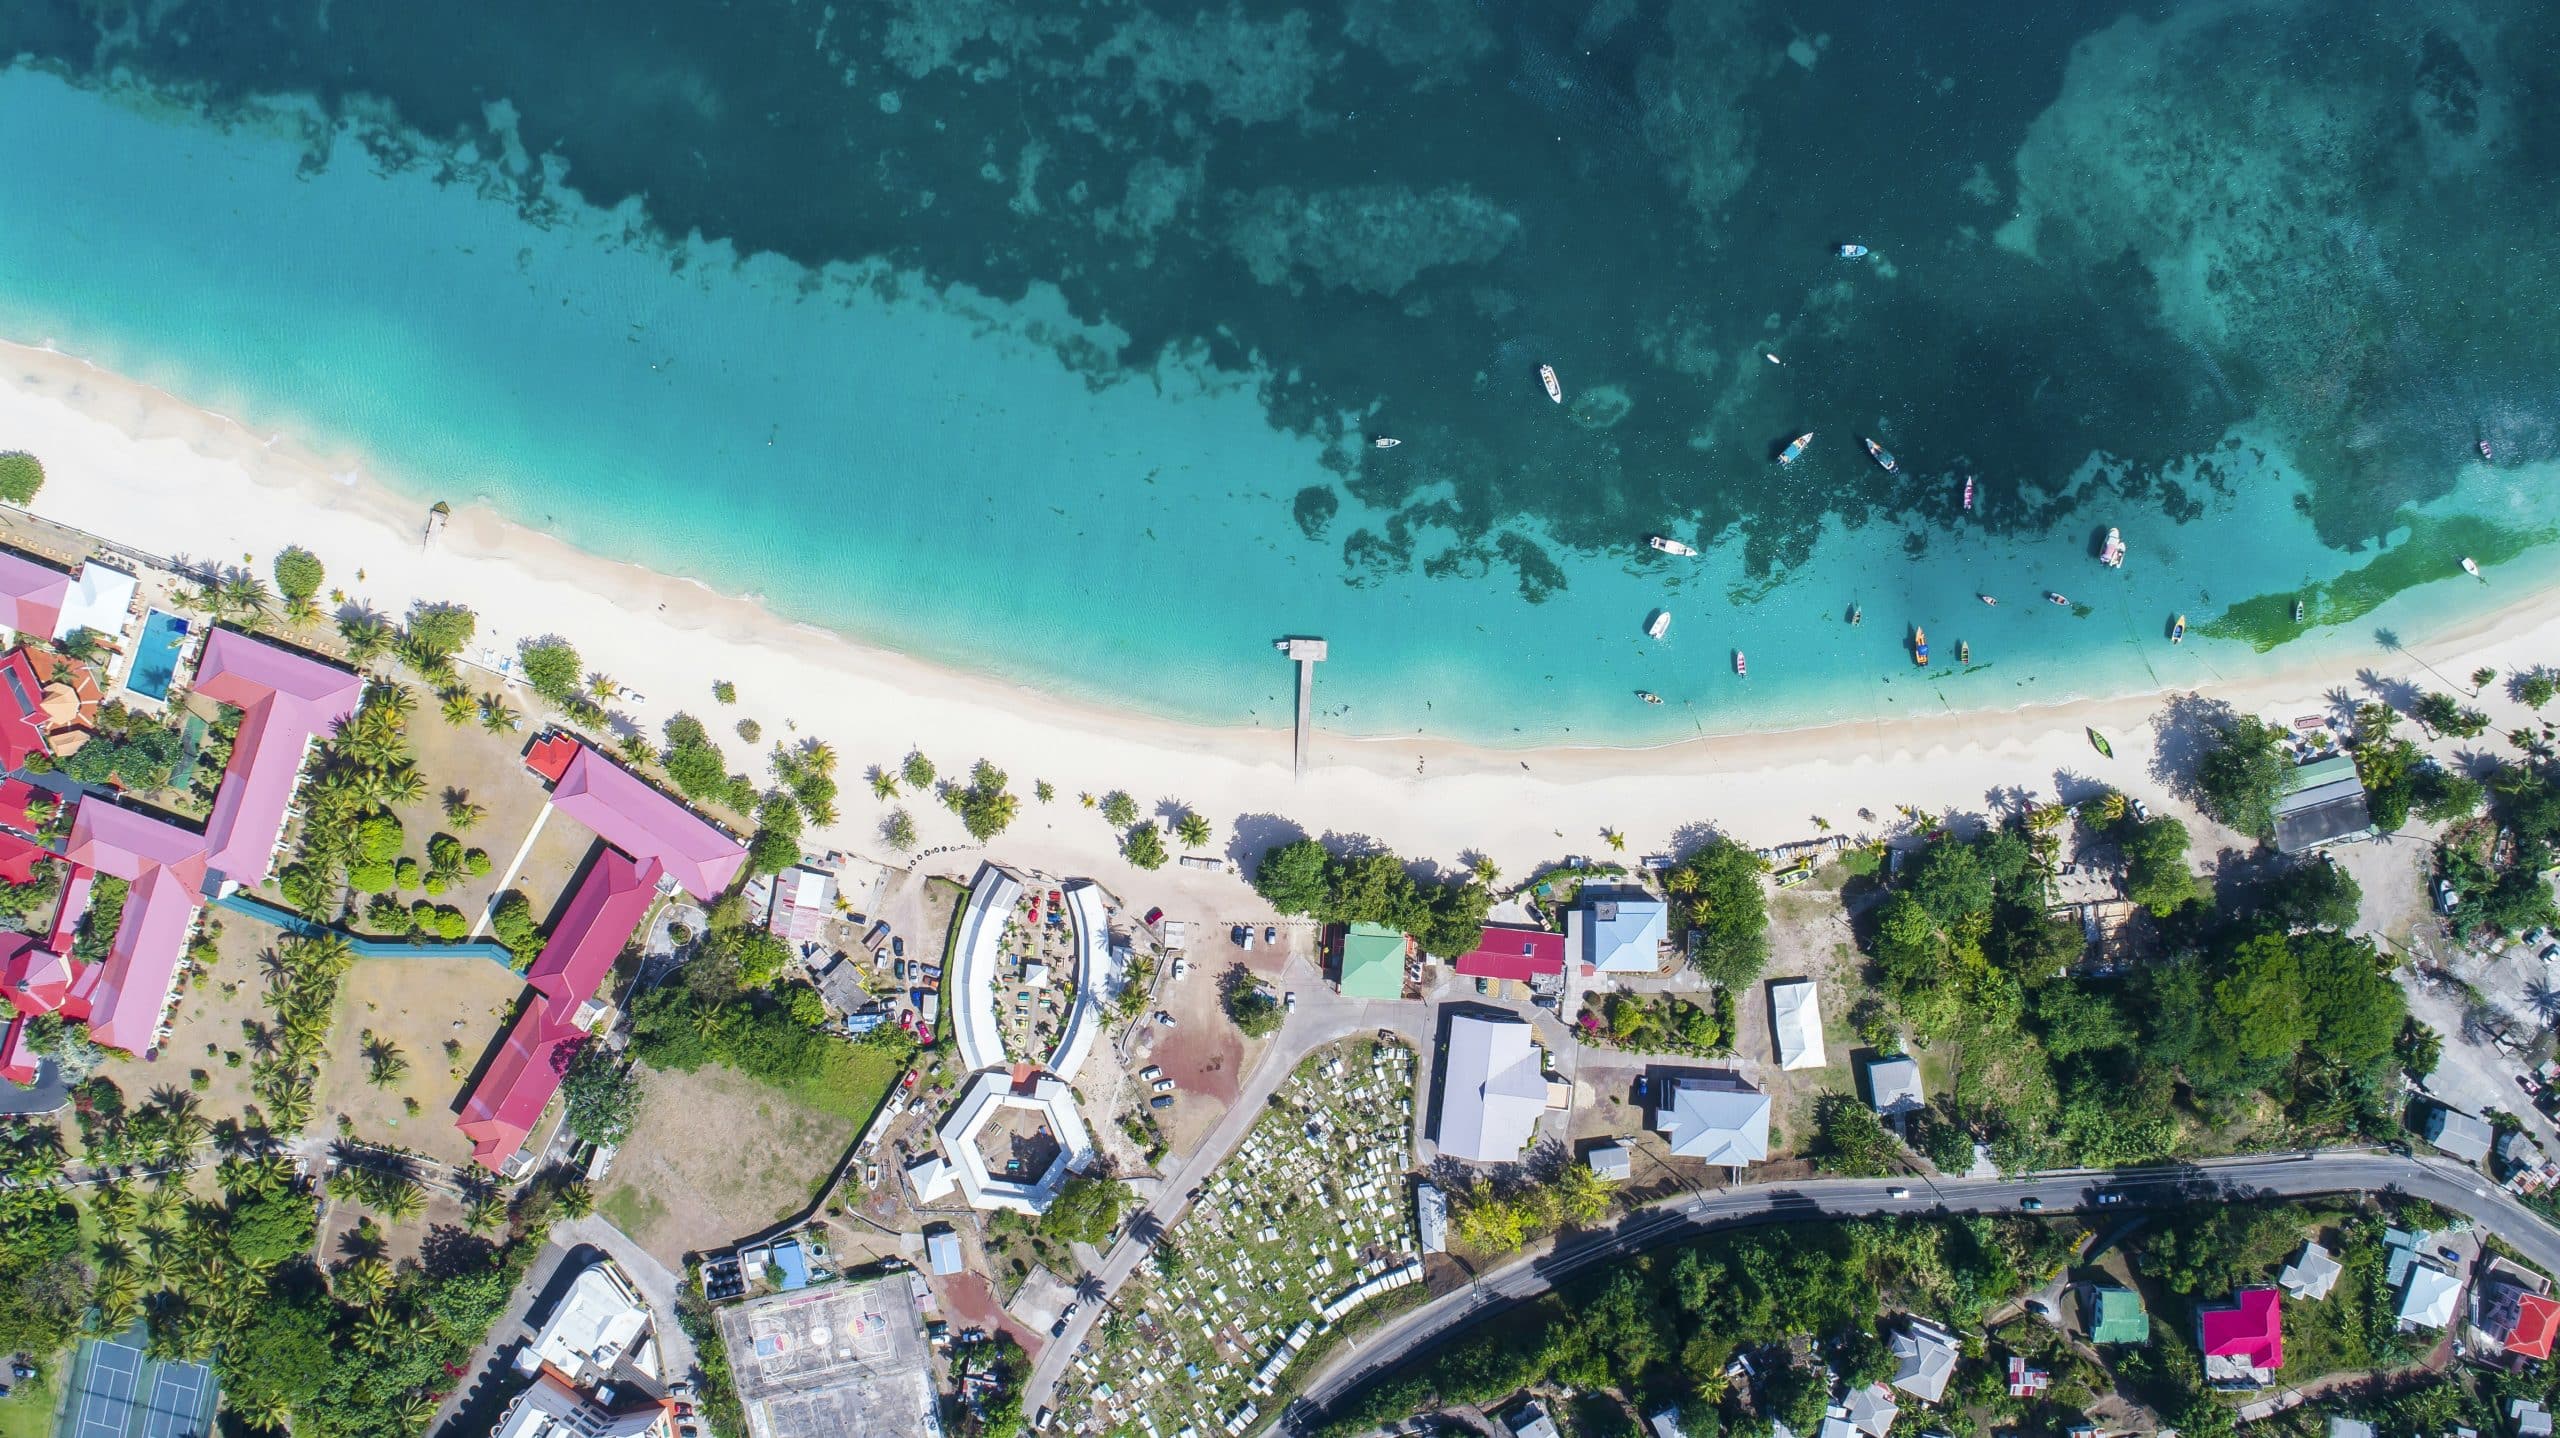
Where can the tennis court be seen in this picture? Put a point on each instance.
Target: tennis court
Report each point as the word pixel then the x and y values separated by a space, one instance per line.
pixel 119 1391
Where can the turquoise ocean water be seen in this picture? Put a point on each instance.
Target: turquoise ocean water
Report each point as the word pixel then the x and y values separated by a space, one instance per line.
pixel 1053 346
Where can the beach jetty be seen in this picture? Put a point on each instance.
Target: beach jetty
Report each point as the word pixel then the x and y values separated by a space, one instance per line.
pixel 1306 654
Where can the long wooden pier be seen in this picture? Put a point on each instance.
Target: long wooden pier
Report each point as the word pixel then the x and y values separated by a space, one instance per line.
pixel 1306 654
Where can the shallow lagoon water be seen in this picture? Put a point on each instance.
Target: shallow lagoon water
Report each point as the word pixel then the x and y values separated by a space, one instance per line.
pixel 1050 341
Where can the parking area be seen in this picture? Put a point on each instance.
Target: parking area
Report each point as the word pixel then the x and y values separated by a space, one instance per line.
pixel 119 1391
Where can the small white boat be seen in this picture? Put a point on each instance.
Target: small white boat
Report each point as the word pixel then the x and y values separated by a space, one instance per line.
pixel 1555 387
pixel 2112 553
pixel 1880 455
pixel 1658 625
pixel 1669 546
pixel 1773 359
pixel 2178 630
pixel 2473 569
pixel 1852 252
pixel 1383 442
pixel 1648 696
pixel 1795 448
pixel 2053 598
pixel 1739 667
pixel 1968 494
pixel 1987 599
pixel 2485 452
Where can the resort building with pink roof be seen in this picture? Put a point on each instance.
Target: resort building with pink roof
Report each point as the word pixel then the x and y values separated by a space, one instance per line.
pixel 164 866
pixel 31 594
pixel 286 701
pixel 651 842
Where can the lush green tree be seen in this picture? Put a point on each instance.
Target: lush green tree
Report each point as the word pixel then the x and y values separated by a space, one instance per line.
pixel 513 923
pixel 2240 778
pixel 2156 872
pixel 2258 1001
pixel 1949 880
pixel 1452 921
pixel 1728 909
pixel 2537 688
pixel 898 830
pixel 986 806
pixel 1250 1006
pixel 601 1096
pixel 1292 877
pixel 2314 894
pixel 2354 1009
pixel 299 575
pixel 552 666
pixel 2438 711
pixel 725 692
pixel 1087 1210
pixel 280 1358
pixel 1849 1139
pixel 2443 796
pixel 1374 888
pixel 1143 846
pixel 21 475
pixel 2419 1049
pixel 437 632
pixel 1118 809
pixel 917 770
pixel 2075 1018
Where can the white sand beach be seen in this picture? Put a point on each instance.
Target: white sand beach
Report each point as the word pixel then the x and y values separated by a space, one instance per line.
pixel 150 471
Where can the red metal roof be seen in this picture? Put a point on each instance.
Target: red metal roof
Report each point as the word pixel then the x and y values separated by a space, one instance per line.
pixel 2252 1329
pixel 518 1084
pixel 550 755
pixel 21 709
pixel 2537 1323
pixel 15 796
pixel 591 934
pixel 1516 954
pixel 19 858
pixel 17 1060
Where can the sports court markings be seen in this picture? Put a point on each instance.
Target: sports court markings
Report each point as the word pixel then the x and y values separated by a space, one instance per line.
pixel 177 1401
pixel 111 1379
pixel 106 1395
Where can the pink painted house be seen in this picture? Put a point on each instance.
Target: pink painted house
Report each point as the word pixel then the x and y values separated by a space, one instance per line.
pixel 286 700
pixel 31 594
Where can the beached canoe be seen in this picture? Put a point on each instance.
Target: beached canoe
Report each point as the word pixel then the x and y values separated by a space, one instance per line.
pixel 2099 742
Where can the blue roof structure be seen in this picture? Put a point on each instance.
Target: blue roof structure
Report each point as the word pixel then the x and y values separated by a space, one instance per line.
pixel 788 1257
pixel 1623 930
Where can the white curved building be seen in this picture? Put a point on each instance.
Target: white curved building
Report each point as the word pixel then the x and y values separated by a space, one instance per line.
pixel 971 982
pixel 1095 976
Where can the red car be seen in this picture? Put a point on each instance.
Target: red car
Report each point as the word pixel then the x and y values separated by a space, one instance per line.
pixel 911 1078
pixel 1154 917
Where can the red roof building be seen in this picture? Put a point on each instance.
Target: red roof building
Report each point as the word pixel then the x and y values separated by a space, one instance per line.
pixel 22 721
pixel 597 927
pixel 17 1058
pixel 165 867
pixel 2537 1324
pixel 19 858
pixel 16 798
pixel 550 755
pixel 518 1084
pixel 2244 1342
pixel 35 978
pixel 286 699
pixel 1516 954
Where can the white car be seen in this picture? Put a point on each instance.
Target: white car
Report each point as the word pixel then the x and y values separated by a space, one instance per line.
pixel 1164 1018
pixel 1289 1001
pixel 1897 1194
pixel 1181 966
pixel 1151 1073
pixel 1164 1085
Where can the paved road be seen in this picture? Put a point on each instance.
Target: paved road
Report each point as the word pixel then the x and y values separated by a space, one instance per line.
pixel 2440 1181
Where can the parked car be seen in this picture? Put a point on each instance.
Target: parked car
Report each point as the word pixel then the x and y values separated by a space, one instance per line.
pixel 2142 811
pixel 1181 966
pixel 2448 1255
pixel 1482 987
pixel 898 970
pixel 1164 1085
pixel 681 1388
pixel 1897 1194
pixel 1059 1328
pixel 1151 1072
pixel 2110 1197
pixel 898 947
pixel 2032 1204
pixel 1162 1100
pixel 1041 1418
pixel 1154 917
pixel 1164 1018
pixel 1271 933
pixel 1289 1001
pixel 871 1175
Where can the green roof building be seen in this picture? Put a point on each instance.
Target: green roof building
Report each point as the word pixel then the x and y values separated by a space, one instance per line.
pixel 1372 962
pixel 2115 1315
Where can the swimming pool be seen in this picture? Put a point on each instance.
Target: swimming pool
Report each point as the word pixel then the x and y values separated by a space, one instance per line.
pixel 155 659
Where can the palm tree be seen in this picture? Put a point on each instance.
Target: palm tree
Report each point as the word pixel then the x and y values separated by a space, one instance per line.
pixel 495 716
pixel 362 1282
pixel 485 1212
pixel 601 685
pixel 1192 830
pixel 266 1410
pixel 457 706
pixel 635 748
pixel 244 595
pixel 1617 841
pixel 402 785
pixel 367 636
pixel 412 1411
pixel 577 1200
pixel 119 1300
pixel 884 785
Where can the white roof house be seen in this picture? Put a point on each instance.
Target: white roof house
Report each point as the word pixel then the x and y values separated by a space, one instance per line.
pixel 1494 1091
pixel 1617 930
pixel 1716 1117
pixel 1893 1086
pixel 2430 1297
pixel 1609 1160
pixel 942 1249
pixel 100 600
pixel 991 1093
pixel 1924 1357
pixel 1795 1020
pixel 2532 1420
pixel 1431 1217
pixel 992 895
pixel 931 1178
pixel 2311 1274
pixel 594 1325
pixel 1870 1410
pixel 2341 1427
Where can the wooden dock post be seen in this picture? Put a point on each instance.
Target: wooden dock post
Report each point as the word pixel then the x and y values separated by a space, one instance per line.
pixel 1306 654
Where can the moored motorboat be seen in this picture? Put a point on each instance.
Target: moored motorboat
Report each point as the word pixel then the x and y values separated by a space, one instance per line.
pixel 1773 359
pixel 1383 442
pixel 2099 742
pixel 2473 569
pixel 1968 494
pixel 2053 598
pixel 1668 546
pixel 2178 630
pixel 2111 554
pixel 1919 646
pixel 1857 614
pixel 1964 651
pixel 1987 599
pixel 1795 448
pixel 1880 454
pixel 1658 625
pixel 1739 667
pixel 1555 387
pixel 2297 611
pixel 1648 696
pixel 1851 252
pixel 2485 452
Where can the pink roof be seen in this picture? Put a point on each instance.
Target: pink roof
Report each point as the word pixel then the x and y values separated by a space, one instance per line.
pixel 2251 1330
pixel 166 866
pixel 35 977
pixel 285 699
pixel 22 726
pixel 31 594
pixel 641 820
pixel 67 914
pixel 592 934
pixel 519 1082
pixel 17 1060
pixel 1517 954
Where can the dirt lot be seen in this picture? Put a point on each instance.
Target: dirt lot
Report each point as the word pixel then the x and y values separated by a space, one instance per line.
pixel 417 1005
pixel 716 1156
pixel 207 1033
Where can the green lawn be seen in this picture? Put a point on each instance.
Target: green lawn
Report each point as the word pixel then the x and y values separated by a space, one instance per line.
pixel 28 1411
pixel 850 1083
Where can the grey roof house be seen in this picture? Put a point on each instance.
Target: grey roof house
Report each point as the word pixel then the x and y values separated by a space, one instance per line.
pixel 1714 1116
